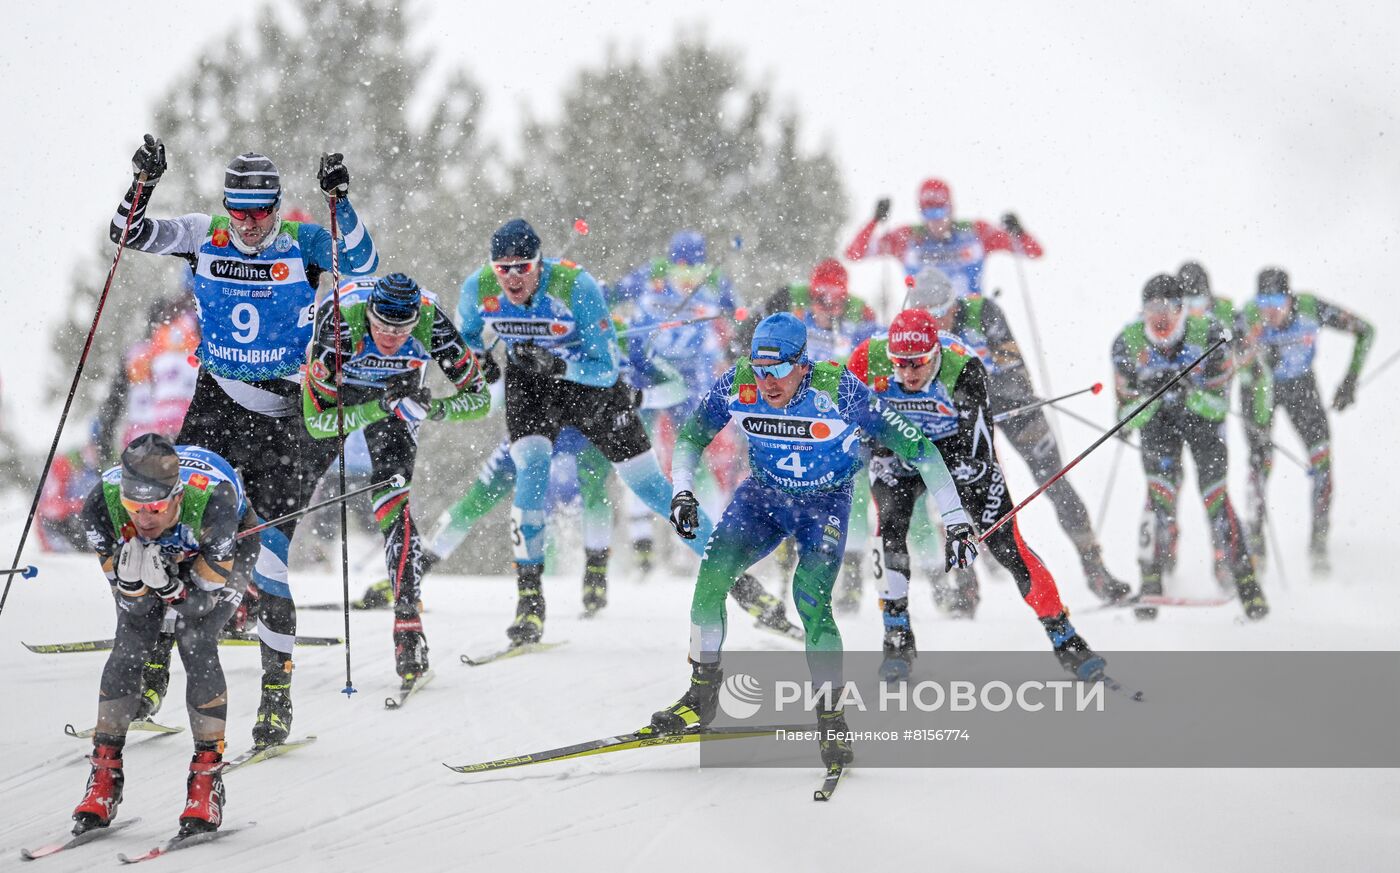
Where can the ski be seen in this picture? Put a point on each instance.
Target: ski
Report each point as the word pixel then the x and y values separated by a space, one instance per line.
pixel 622 742
pixel 140 724
pixel 73 842
pixel 510 652
pixel 232 638
pixel 1162 600
pixel 257 754
pixel 834 773
pixel 180 841
pixel 1118 688
pixel 410 689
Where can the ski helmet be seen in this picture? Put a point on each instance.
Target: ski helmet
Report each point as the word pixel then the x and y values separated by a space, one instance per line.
pixel 935 196
pixel 780 337
pixel 150 469
pixel 1194 279
pixel 395 300
pixel 251 181
pixel 913 334
pixel 687 247
pixel 931 290
pixel 515 239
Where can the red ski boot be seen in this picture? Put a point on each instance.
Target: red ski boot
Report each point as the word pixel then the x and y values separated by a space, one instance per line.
pixel 204 794
pixel 104 790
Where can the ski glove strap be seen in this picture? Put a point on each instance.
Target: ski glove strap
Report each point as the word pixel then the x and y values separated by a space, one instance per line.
pixel 960 547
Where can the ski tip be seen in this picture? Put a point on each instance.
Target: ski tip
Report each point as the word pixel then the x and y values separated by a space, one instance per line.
pixel 820 795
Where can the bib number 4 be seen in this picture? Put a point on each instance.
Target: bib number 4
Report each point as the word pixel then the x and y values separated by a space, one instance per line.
pixel 792 463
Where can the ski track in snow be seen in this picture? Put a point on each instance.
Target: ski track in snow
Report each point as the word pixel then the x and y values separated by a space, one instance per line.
pixel 372 792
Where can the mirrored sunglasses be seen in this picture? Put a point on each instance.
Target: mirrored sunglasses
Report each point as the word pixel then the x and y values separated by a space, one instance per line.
pixel 161 505
pixel 774 371
pixel 244 214
pixel 909 362
pixel 523 268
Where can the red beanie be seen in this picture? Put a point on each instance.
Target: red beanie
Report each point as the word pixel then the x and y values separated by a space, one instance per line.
pixel 935 194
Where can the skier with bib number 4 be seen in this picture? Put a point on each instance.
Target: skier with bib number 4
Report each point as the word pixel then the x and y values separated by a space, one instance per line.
pixel 804 422
pixel 255 278
pixel 163 524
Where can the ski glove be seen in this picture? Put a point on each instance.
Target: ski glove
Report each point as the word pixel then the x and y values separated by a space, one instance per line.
pixel 1346 393
pixel 960 546
pixel 408 402
pixel 410 410
pixel 685 514
pixel 882 209
pixel 149 159
pixel 1012 224
pixel 129 568
pixel 490 370
pixel 537 360
pixel 334 178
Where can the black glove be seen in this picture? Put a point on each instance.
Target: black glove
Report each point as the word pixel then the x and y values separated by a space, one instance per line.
pixel 149 159
pixel 959 547
pixel 637 396
pixel 334 178
pixel 1346 393
pixel 882 209
pixel 537 360
pixel 397 391
pixel 1012 224
pixel 685 514
pixel 490 370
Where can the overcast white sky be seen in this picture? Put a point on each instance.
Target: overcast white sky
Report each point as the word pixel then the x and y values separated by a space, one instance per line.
pixel 1127 136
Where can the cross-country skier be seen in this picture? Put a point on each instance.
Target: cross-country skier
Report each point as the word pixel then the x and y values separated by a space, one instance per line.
pixel 151 392
pixel 940 385
pixel 562 368
pixel 1148 352
pixel 389 330
pixel 958 248
pixel 1282 328
pixel 804 421
pixel 255 279
pixel 979 324
pixel 163 524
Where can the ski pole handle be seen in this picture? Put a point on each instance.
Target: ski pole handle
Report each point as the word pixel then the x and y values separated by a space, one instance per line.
pixel 1102 439
pixel 395 481
pixel 1031 407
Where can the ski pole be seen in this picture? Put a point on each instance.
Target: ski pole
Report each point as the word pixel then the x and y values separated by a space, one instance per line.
pixel 1031 407
pixel 1100 441
pixel 668 325
pixel 339 377
pixel 395 481
pixel 1108 488
pixel 1379 368
pixel 73 389
pixel 27 572
pixel 1019 255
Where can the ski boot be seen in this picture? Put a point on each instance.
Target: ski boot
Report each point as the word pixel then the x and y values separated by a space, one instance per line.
pixel 834 737
pixel 1151 587
pixel 851 586
pixel 528 626
pixel 379 595
pixel 1072 651
pixel 204 793
pixel 274 719
pixel 1252 598
pixel 104 788
pixel 410 648
pixel 1254 540
pixel 155 678
pixel 1317 552
pixel 1102 583
pixel 696 708
pixel 642 553
pixel 595 581
pixel 770 611
pixel 964 594
pixel 899 640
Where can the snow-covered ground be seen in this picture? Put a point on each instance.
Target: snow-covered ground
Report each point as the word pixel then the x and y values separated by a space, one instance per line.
pixel 371 793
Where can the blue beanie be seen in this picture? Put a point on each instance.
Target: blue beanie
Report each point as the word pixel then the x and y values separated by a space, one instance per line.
pixel 515 239
pixel 395 299
pixel 781 337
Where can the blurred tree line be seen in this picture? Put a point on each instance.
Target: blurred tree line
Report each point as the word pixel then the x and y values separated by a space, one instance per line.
pixel 640 149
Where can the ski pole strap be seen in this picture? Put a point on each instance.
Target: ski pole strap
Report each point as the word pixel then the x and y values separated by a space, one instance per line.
pixel 394 481
pixel 1102 439
pixel 1034 405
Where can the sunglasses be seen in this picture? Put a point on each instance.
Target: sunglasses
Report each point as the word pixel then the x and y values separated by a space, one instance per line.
pixel 911 361
pixel 1272 301
pixel 935 213
pixel 774 371
pixel 244 214
pixel 523 268
pixel 394 330
pixel 157 506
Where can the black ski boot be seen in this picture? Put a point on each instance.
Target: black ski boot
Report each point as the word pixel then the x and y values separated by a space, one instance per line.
pixel 1104 584
pixel 155 678
pixel 410 647
pixel 1252 598
pixel 899 640
pixel 770 611
pixel 851 586
pixel 595 581
pixel 274 720
pixel 834 737
pixel 697 707
pixel 1151 587
pixel 1072 651
pixel 528 626
pixel 642 553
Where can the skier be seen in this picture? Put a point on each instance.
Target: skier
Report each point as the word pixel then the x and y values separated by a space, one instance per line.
pixel 1149 351
pixel 389 329
pixel 1282 327
pixel 152 391
pixel 940 385
pixel 979 324
pixel 163 524
pixel 803 420
pixel 958 248
pixel 561 369
pixel 255 278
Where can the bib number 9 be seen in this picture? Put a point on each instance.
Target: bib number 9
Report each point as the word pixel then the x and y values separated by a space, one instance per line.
pixel 792 463
pixel 245 321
